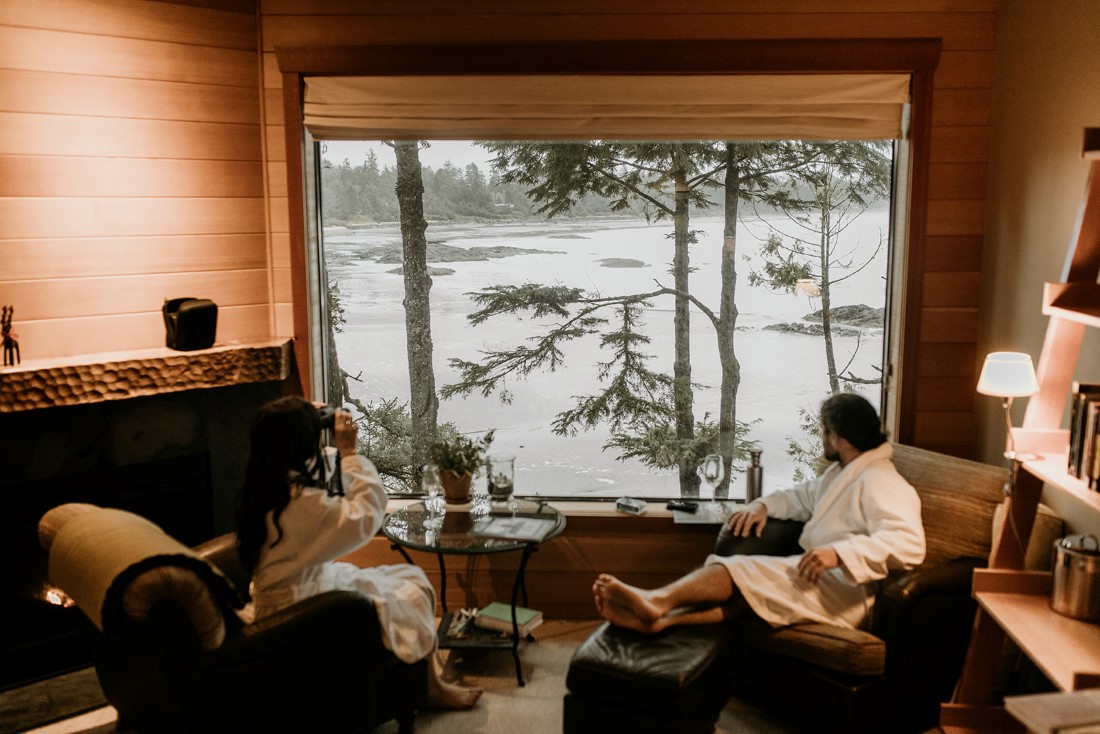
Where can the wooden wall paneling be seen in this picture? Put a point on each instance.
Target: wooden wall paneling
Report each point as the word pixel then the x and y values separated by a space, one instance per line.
pixel 956 217
pixel 123 332
pixel 958 144
pixel 74 135
pixel 965 68
pixel 90 55
pixel 95 96
pixel 40 217
pixel 953 253
pixel 945 359
pixel 949 325
pixel 954 393
pixel 952 107
pixel 103 296
pixel 280 249
pixel 84 176
pixel 104 256
pixel 951 289
pixel 945 429
pixel 957 181
pixel 140 19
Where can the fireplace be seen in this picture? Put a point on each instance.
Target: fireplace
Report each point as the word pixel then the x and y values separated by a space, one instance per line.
pixel 175 456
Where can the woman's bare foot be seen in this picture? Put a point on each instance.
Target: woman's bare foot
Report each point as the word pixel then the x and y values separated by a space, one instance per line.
pixel 627 606
pixel 444 695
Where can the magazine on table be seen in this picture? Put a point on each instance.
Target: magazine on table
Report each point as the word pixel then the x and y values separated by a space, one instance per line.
pixel 530 529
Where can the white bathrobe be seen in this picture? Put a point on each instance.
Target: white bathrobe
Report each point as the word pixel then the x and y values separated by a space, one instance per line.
pixel 317 529
pixel 867 513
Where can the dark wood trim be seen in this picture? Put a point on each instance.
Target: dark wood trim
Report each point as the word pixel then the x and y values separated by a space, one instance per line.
pixel 618 57
pixel 920 143
pixel 295 192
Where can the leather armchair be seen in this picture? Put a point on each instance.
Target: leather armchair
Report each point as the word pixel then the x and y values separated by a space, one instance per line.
pixel 892 676
pixel 316 666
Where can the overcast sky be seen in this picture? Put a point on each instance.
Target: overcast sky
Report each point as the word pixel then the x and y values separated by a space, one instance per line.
pixel 458 152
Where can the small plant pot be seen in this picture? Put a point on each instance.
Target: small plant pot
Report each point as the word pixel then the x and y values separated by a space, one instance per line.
pixel 456 487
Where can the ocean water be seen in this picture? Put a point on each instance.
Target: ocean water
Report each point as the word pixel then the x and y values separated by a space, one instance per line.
pixel 780 372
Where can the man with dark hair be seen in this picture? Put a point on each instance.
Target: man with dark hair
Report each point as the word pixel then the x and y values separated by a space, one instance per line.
pixel 862 520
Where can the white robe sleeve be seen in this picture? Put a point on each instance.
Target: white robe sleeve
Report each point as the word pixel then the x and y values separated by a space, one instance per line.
pixel 894 536
pixel 339 524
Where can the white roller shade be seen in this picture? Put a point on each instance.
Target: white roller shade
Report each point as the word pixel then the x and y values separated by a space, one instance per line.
pixel 714 107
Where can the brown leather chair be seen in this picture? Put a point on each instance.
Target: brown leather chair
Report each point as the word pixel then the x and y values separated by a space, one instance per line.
pixel 316 666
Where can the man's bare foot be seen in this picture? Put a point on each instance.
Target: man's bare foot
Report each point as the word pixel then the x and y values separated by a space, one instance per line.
pixel 627 606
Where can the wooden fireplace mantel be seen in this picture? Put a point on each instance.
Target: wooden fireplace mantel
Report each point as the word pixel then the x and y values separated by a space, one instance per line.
pixel 96 378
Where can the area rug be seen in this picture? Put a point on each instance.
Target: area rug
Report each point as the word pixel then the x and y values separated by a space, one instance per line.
pixel 37 704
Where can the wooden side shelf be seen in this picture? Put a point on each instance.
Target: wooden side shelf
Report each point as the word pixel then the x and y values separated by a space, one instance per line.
pixel 1079 302
pixel 1066 650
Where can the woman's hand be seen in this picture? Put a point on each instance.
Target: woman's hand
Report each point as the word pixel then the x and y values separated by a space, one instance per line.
pixel 815 562
pixel 753 517
pixel 344 433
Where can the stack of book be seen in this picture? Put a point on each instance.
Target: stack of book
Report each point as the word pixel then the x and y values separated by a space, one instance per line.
pixel 1084 433
pixel 498 616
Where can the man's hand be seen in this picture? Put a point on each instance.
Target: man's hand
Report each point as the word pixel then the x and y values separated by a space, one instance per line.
pixel 815 562
pixel 742 522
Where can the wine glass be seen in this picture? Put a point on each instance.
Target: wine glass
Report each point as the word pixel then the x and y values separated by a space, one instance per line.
pixel 711 471
pixel 433 489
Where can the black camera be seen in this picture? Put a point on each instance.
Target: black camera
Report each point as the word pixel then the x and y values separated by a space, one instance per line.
pixel 327 414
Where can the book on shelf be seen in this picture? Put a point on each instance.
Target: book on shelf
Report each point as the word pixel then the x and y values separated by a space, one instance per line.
pixel 530 529
pixel 498 616
pixel 1085 397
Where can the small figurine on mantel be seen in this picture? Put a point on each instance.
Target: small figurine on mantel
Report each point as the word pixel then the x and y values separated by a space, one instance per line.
pixel 11 345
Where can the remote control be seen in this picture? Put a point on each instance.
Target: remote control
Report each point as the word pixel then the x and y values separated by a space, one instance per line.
pixel 681 505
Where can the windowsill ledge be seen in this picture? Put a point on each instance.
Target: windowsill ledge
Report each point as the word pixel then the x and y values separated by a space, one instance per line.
pixel 96 378
pixel 572 509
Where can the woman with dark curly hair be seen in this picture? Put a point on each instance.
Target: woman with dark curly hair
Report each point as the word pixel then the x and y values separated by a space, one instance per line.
pixel 297 514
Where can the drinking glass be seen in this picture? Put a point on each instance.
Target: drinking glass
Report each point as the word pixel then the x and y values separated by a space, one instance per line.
pixel 711 471
pixel 433 489
pixel 501 470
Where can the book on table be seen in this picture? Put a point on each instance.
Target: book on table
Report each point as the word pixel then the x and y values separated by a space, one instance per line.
pixel 498 616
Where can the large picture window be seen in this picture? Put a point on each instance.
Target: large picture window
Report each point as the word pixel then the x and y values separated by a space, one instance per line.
pixel 616 312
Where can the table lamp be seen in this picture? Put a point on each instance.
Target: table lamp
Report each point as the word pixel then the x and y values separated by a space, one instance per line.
pixel 1008 375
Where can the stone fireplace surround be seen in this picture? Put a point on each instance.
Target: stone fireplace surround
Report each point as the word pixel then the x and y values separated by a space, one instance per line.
pixel 158 432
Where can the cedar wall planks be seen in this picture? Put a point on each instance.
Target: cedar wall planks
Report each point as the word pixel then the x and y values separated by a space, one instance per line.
pixel 130 171
pixel 938 411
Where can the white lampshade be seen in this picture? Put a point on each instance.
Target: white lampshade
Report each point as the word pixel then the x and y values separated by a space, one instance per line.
pixel 1008 375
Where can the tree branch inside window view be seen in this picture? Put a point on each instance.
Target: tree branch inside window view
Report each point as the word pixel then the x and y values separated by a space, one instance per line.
pixel 580 299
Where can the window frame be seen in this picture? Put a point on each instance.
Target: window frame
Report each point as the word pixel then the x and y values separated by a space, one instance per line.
pixel 916 57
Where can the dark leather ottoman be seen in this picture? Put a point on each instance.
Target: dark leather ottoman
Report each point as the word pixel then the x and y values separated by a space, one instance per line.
pixel 677 681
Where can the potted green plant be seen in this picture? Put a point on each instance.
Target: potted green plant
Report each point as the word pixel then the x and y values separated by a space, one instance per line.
pixel 458 458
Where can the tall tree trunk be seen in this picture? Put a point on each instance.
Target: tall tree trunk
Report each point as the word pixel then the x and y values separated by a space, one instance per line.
pixel 681 367
pixel 424 404
pixel 727 323
pixel 826 299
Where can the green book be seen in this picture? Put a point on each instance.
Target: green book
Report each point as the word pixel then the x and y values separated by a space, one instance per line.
pixel 498 616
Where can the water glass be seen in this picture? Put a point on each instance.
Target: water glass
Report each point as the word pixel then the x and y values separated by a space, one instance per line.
pixel 711 471
pixel 433 489
pixel 501 470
